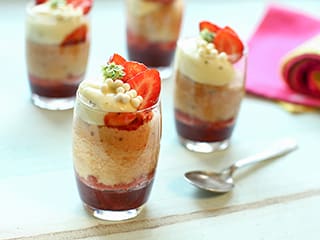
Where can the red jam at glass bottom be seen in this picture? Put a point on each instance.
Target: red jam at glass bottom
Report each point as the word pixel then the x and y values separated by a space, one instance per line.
pixel 114 200
pixel 54 89
pixel 153 54
pixel 194 129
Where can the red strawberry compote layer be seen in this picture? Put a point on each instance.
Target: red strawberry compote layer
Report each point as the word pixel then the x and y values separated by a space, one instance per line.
pixel 153 27
pixel 209 87
pixel 57 46
pixel 116 138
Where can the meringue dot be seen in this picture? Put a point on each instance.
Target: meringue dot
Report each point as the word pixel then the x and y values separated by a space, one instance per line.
pixel 125 98
pixel 110 82
pixel 118 97
pixel 201 51
pixel 104 88
pixel 126 86
pixel 135 102
pixel 120 90
pixel 118 83
pixel 214 52
pixel 210 46
pixel 222 55
pixel 202 43
pixel 132 93
pixel 139 98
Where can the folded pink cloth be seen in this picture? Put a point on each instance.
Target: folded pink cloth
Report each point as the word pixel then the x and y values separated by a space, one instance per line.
pixel 280 31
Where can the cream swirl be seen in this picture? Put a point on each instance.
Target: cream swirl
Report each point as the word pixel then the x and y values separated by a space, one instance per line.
pixel 201 62
pixel 100 97
pixel 50 24
pixel 142 7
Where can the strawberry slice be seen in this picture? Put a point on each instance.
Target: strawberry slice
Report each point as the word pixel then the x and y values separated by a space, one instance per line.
pixel 77 36
pixel 148 85
pixel 40 1
pixel 209 26
pixel 85 5
pixel 113 119
pixel 126 121
pixel 131 68
pixel 117 59
pixel 226 40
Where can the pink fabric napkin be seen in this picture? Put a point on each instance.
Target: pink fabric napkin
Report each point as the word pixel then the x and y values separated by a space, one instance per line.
pixel 280 31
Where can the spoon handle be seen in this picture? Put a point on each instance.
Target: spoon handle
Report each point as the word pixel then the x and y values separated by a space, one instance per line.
pixel 278 149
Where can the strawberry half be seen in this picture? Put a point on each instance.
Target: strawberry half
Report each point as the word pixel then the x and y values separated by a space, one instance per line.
pixel 226 40
pixel 131 68
pixel 148 85
pixel 85 5
pixel 209 26
pixel 77 36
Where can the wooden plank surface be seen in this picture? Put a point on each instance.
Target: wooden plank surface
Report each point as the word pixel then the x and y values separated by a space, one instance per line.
pixel 39 199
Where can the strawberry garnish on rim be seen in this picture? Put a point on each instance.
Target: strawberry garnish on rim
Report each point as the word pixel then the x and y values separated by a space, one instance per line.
pixel 77 36
pixel 224 39
pixel 209 26
pixel 117 59
pixel 147 84
pixel 227 41
pixel 84 5
pixel 145 81
pixel 131 68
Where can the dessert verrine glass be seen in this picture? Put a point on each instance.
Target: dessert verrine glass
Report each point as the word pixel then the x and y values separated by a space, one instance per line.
pixel 57 49
pixel 116 143
pixel 153 27
pixel 209 87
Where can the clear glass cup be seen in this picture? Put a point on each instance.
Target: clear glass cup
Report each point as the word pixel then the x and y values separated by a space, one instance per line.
pixel 207 98
pixel 57 49
pixel 153 27
pixel 115 167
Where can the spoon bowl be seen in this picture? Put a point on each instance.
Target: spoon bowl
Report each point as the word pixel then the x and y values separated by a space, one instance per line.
pixel 210 181
pixel 223 181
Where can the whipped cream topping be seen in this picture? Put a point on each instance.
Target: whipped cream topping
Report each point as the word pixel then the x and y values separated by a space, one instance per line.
pixel 101 97
pixel 142 7
pixel 50 23
pixel 201 62
pixel 153 20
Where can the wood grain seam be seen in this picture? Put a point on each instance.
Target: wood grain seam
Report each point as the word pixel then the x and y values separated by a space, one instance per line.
pixel 136 225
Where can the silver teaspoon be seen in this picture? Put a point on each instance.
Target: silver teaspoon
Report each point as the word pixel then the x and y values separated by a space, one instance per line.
pixel 223 182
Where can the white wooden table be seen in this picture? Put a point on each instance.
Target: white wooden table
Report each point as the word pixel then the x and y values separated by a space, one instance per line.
pixel 38 195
